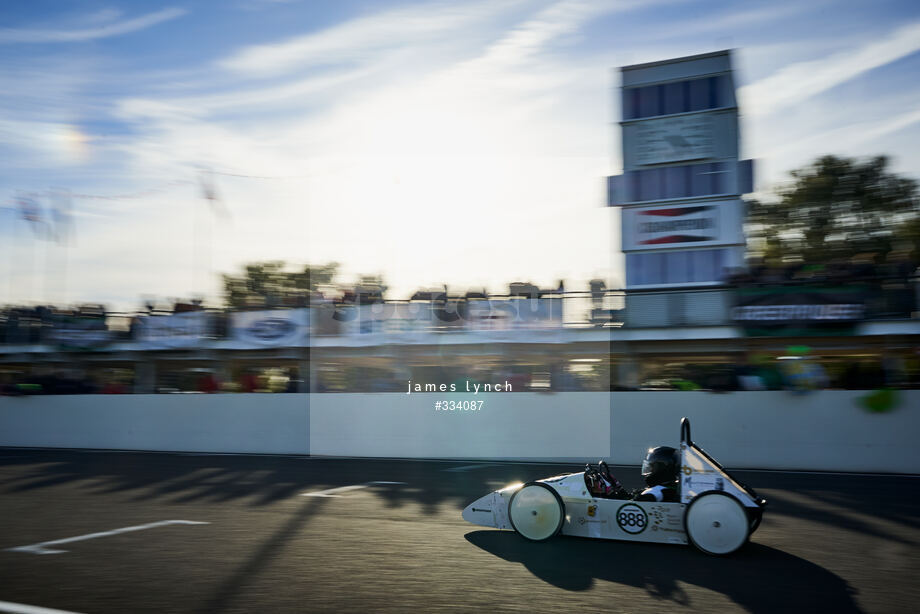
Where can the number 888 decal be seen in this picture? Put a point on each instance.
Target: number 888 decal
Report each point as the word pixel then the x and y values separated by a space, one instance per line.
pixel 632 518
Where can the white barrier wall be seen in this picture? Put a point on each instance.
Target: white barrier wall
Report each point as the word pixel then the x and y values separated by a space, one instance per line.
pixel 824 430
pixel 820 431
pixel 509 425
pixel 254 423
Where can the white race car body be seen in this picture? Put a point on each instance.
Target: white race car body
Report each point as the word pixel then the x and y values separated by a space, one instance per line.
pixel 586 516
pixel 715 524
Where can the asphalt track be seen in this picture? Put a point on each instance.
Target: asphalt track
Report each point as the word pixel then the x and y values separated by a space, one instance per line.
pixel 828 543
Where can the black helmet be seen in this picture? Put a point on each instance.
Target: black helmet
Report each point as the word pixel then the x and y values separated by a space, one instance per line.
pixel 660 466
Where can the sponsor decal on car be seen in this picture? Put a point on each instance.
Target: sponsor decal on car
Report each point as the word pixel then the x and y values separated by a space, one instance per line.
pixel 669 529
pixel 632 518
pixel 592 510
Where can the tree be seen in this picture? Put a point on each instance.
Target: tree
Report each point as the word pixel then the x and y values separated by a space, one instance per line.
pixel 837 208
pixel 268 284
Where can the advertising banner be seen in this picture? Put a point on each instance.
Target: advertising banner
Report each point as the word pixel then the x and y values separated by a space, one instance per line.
pixel 75 333
pixel 799 310
pixel 271 328
pixel 655 227
pixel 176 331
pixel 529 313
pixel 673 139
pixel 418 316
pixel 414 316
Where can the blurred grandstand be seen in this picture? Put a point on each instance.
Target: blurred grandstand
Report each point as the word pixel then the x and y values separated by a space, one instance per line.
pixel 857 326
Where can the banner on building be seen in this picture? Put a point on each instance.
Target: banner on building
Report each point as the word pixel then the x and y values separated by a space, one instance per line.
pixel 79 333
pixel 527 313
pixel 174 332
pixel 271 328
pixel 414 316
pixel 799 310
pixel 451 315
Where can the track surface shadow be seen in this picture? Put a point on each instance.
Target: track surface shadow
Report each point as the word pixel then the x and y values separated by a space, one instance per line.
pixel 269 550
pixel 782 582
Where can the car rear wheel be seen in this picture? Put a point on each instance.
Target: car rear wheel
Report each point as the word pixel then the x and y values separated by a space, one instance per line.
pixel 756 515
pixel 536 511
pixel 716 523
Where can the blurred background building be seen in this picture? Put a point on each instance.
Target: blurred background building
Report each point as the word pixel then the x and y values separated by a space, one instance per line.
pixel 680 192
pixel 699 310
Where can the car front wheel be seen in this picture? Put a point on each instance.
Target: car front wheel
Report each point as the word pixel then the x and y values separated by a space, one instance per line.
pixel 536 511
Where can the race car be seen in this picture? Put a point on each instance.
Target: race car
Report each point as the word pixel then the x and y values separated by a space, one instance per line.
pixel 713 511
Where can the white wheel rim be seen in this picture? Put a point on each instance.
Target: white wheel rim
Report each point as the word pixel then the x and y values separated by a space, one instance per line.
pixel 535 512
pixel 717 524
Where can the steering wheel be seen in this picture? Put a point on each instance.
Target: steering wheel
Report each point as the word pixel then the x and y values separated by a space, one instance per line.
pixel 592 478
pixel 604 469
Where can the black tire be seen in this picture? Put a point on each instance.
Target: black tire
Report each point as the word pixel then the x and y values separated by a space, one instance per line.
pixel 716 523
pixel 756 515
pixel 536 512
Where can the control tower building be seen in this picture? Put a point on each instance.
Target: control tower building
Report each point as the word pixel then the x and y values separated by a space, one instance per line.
pixel 680 192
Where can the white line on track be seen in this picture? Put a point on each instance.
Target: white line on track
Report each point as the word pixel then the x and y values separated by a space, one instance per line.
pixel 41 548
pixel 334 492
pixel 21 608
pixel 468 467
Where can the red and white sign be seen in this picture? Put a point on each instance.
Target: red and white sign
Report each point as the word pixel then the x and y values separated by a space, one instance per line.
pixel 687 225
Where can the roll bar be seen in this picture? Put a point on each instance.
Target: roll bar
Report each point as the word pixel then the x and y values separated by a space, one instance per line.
pixel 685 438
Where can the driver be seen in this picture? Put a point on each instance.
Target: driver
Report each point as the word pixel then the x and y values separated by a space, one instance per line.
pixel 660 472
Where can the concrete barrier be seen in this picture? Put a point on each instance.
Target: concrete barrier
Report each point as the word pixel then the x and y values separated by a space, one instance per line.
pixel 245 423
pixel 509 425
pixel 824 431
pixel 819 431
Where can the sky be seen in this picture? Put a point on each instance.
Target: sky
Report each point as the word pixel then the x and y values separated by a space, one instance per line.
pixel 428 142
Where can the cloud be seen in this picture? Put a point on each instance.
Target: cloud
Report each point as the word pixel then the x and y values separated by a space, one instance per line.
pixel 103 16
pixel 894 124
pixel 470 129
pixel 551 23
pixel 257 98
pixel 803 80
pixel 873 124
pixel 385 63
pixel 839 132
pixel 13 35
pixel 359 39
pixel 726 23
